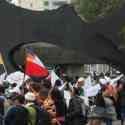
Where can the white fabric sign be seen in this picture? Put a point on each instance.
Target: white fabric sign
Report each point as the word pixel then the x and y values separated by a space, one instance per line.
pixel 2 77
pixel 88 82
pixel 17 77
pixel 93 91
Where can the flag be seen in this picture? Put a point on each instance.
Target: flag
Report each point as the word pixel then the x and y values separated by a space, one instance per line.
pixel 88 82
pixel 3 69
pixel 93 91
pixel 1 59
pixel 34 67
pixel 54 77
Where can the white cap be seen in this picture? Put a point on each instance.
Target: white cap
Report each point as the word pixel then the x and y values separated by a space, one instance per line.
pixel 30 96
pixel 103 81
pixel 81 79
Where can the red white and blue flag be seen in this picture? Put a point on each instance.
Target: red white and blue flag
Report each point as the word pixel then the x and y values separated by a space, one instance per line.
pixel 34 67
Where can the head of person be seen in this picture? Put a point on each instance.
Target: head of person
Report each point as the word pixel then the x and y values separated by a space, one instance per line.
pixel 19 100
pixel 30 97
pixel 75 92
pixel 80 82
pixel 58 83
pixel 65 78
pixel 46 83
pixel 108 74
pixel 55 94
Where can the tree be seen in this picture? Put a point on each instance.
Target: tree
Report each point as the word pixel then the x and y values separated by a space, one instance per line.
pixel 93 9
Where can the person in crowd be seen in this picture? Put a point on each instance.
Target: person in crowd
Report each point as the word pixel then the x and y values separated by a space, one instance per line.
pixel 17 114
pixel 51 109
pixel 58 112
pixel 46 86
pixel 67 93
pixel 80 85
pixel 64 103
pixel 2 103
pixel 32 114
pixel 39 91
pixel 121 103
pixel 58 84
pixel 9 101
pixel 96 113
pixel 75 79
pixel 110 114
pixel 76 112
pixel 65 89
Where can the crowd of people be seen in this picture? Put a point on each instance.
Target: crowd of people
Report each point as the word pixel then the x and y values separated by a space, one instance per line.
pixel 68 102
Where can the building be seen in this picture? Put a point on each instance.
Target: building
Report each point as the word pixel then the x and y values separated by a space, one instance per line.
pixel 28 4
pixel 73 66
pixel 53 4
pixel 39 4
pixel 99 68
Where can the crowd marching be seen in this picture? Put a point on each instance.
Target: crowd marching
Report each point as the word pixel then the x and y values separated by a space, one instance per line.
pixel 38 96
pixel 78 101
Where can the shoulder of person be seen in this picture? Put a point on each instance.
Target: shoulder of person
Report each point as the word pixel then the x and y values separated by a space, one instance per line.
pixel 12 109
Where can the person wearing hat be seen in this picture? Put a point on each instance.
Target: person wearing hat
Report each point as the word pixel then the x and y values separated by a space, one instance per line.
pixel 80 85
pixel 30 99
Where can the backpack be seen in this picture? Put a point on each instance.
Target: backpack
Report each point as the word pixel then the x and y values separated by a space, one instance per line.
pixel 42 116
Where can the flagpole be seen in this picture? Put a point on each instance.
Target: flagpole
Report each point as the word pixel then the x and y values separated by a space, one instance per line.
pixel 5 69
pixel 24 70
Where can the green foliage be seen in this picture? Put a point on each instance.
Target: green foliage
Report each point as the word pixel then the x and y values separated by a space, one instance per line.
pixel 122 36
pixel 93 9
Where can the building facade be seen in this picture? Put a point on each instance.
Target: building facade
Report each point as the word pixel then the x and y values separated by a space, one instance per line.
pixel 28 4
pixel 53 4
pixel 39 4
pixel 74 69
